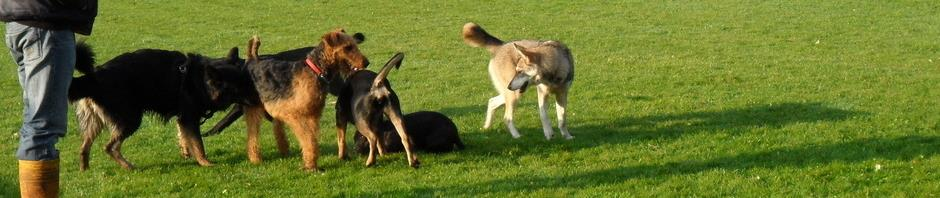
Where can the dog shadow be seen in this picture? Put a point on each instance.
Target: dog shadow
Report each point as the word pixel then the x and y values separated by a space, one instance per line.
pixel 627 130
pixel 905 148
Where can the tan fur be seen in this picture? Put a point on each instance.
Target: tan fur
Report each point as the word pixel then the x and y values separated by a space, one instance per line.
pixel 303 109
pixel 548 63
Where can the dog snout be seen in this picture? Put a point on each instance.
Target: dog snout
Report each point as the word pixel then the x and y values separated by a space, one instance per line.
pixel 365 62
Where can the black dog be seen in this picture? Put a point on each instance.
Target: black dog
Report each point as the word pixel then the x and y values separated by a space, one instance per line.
pixel 164 83
pixel 429 131
pixel 365 100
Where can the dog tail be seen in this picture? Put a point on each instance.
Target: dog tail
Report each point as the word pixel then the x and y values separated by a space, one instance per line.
pixel 84 58
pixel 81 87
pixel 253 44
pixel 230 118
pixel 475 36
pixel 394 62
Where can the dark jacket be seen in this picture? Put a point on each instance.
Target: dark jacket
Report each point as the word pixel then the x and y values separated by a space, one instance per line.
pixel 76 15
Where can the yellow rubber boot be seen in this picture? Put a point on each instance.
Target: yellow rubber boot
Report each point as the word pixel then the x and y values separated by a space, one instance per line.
pixel 39 178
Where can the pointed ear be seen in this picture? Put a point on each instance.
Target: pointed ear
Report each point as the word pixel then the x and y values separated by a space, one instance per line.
pixel 520 50
pixel 232 55
pixel 359 37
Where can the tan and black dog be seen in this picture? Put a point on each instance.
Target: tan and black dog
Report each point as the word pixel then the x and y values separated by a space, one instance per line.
pixel 366 101
pixel 515 64
pixel 294 92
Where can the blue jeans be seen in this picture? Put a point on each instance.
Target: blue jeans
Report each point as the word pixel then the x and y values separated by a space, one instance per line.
pixel 45 60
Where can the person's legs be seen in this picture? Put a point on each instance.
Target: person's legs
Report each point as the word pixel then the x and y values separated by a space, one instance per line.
pixel 45 60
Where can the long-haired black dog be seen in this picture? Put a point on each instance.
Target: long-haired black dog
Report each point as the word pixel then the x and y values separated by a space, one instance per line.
pixel 165 83
pixel 429 131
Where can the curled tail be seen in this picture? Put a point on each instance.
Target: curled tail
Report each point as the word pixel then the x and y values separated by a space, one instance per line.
pixel 83 86
pixel 84 58
pixel 475 36
pixel 394 62
pixel 253 44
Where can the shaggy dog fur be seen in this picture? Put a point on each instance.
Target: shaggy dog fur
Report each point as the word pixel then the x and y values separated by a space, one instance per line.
pixel 294 93
pixel 364 101
pixel 298 54
pixel 164 83
pixel 429 132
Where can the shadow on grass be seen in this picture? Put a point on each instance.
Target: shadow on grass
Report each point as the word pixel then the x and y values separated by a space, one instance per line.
pixel 732 121
pixel 10 187
pixel 901 148
pixel 631 130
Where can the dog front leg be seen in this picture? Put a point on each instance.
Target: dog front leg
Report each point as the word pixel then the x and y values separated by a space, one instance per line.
pixel 543 111
pixel 395 116
pixel 190 131
pixel 494 103
pixel 306 131
pixel 282 146
pixel 183 142
pixel 561 102
pixel 341 122
pixel 511 99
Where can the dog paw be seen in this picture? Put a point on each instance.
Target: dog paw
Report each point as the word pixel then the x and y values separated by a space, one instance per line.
pixel 570 137
pixel 416 164
pixel 514 136
pixel 313 170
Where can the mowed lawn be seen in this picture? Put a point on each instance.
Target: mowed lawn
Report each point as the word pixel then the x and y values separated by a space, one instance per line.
pixel 670 98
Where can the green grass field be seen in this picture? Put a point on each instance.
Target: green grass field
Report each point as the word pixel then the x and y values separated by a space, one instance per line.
pixel 671 98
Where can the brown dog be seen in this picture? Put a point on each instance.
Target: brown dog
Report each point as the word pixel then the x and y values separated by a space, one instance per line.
pixel 294 92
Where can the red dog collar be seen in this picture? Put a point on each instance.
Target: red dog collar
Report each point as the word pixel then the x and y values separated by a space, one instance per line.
pixel 313 67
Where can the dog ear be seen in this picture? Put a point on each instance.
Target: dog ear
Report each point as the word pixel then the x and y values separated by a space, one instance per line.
pixel 330 39
pixel 359 37
pixel 521 51
pixel 233 55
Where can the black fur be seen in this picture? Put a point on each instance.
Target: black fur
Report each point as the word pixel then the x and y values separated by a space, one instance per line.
pixel 336 84
pixel 164 83
pixel 429 132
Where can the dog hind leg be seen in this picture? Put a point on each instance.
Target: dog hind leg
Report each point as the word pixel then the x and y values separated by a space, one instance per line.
pixel 90 122
pixel 494 103
pixel 123 130
pixel 395 116
pixel 370 136
pixel 543 111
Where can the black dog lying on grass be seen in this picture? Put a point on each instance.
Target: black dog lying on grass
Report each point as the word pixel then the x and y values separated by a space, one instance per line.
pixel 164 83
pixel 429 131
